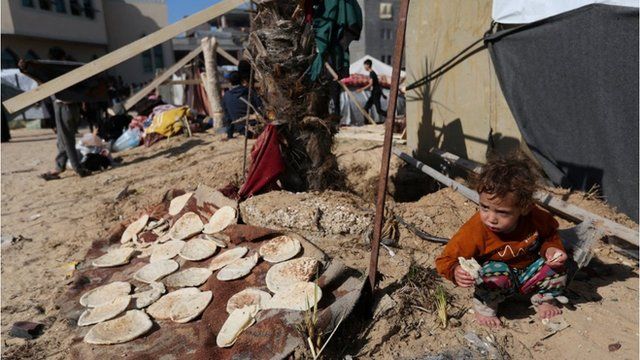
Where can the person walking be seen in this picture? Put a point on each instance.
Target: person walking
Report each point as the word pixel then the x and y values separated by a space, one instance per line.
pixel 376 90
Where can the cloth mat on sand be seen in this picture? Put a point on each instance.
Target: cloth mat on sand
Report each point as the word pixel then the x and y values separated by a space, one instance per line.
pixel 273 336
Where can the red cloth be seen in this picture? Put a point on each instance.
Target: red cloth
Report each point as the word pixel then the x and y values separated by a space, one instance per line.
pixel 266 163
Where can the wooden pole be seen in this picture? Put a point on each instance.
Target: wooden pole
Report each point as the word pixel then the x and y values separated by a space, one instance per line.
pixel 212 85
pixel 160 79
pixel 349 93
pixel 388 137
pixel 116 57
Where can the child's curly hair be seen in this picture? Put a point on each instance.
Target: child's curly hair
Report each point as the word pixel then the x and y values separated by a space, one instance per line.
pixel 514 173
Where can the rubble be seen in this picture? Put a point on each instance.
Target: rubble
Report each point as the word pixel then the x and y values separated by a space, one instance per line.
pixel 330 212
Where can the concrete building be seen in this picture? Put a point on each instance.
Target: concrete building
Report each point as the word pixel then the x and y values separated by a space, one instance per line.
pixel 379 30
pixel 85 30
pixel 463 111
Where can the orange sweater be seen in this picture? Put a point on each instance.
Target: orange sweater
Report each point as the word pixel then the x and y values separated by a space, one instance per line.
pixel 534 234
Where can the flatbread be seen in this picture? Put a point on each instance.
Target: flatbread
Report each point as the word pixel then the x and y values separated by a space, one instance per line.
pixel 227 257
pixel 222 218
pixel 125 328
pixel 236 323
pixel 471 266
pixel 219 239
pixel 198 249
pixel 155 271
pixel 188 225
pixel 189 277
pixel 161 309
pixel 280 249
pixel 134 228
pixel 283 275
pixel 238 268
pixel 114 257
pixel 191 307
pixel 105 294
pixel 148 294
pixel 104 312
pixel 165 251
pixel 248 297
pixel 299 296
pixel 178 203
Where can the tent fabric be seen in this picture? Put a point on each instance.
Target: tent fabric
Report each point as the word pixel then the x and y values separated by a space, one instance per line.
pixel 357 67
pixel 14 83
pixel 266 163
pixel 350 115
pixel 528 11
pixel 571 82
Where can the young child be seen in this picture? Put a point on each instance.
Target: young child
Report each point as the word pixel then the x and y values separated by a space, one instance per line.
pixel 515 241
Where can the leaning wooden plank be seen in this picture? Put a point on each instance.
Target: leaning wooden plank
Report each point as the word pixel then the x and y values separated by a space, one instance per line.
pixel 183 82
pixel 227 56
pixel 116 57
pixel 465 191
pixel 558 206
pixel 161 78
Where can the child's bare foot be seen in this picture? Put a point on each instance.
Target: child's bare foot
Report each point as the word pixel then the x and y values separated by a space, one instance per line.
pixel 547 310
pixel 490 321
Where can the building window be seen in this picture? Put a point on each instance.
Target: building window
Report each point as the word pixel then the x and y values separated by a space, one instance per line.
pixel 61 6
pixel 386 11
pixel 31 55
pixel 9 59
pixel 27 3
pixel 75 7
pixel 88 9
pixel 158 57
pixel 388 32
pixel 45 4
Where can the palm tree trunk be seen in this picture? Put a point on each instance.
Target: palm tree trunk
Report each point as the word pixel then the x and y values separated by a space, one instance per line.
pixel 281 51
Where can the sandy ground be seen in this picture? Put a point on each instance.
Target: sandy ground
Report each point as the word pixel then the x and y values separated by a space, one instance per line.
pixel 52 224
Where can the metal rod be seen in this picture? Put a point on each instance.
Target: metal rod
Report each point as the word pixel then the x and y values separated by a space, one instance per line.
pixel 388 137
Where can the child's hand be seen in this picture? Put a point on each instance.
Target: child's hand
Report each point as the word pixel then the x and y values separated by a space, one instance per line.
pixel 555 257
pixel 463 279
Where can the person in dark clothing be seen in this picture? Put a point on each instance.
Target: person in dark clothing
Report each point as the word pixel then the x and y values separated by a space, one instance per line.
pixel 234 108
pixel 376 90
pixel 66 115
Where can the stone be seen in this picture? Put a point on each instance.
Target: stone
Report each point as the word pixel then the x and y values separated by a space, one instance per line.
pixel 330 212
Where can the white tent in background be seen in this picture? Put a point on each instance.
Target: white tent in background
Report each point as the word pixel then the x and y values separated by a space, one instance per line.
pixel 357 67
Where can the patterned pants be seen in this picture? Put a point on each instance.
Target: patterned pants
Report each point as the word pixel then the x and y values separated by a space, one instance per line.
pixel 498 281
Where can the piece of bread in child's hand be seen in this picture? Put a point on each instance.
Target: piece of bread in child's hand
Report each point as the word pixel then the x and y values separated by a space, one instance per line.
pixel 471 266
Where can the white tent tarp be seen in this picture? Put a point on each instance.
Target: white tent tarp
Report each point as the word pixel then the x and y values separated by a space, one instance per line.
pixel 527 11
pixel 357 67
pixel 18 80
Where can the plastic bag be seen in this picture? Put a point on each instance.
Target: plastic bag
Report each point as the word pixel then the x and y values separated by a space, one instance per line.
pixel 128 140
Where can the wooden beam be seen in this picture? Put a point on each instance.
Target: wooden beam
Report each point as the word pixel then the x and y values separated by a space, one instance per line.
pixel 183 82
pixel 437 175
pixel 227 56
pixel 553 204
pixel 118 56
pixel 349 93
pixel 162 78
